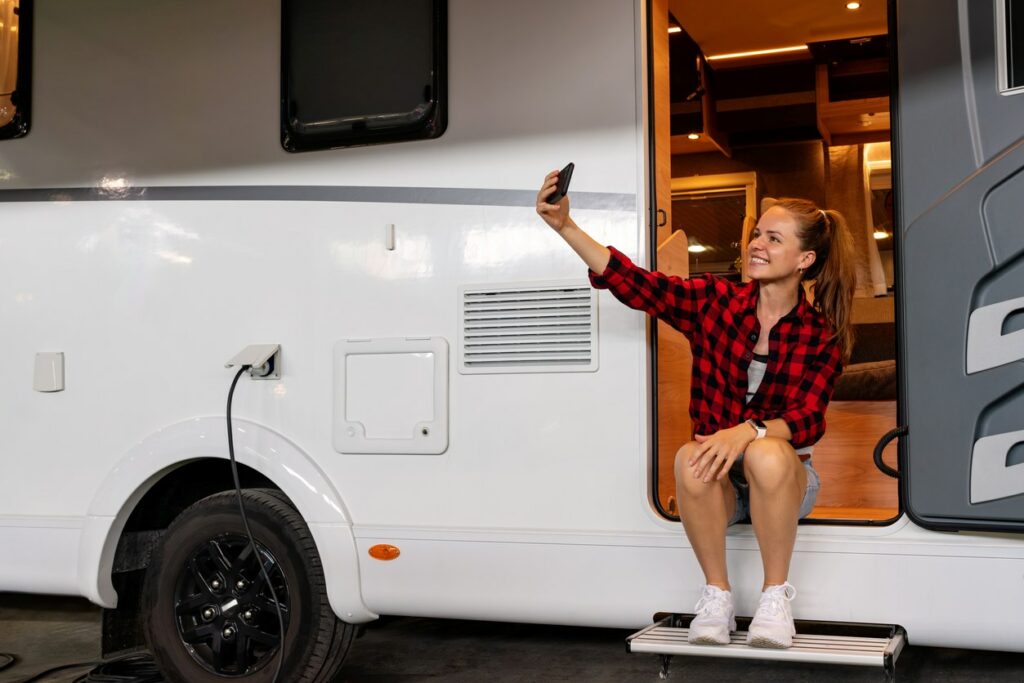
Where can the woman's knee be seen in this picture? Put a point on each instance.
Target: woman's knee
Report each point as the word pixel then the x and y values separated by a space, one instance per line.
pixel 769 462
pixel 686 483
pixel 682 461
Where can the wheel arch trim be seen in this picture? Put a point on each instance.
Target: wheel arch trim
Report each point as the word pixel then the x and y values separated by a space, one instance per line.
pixel 256 446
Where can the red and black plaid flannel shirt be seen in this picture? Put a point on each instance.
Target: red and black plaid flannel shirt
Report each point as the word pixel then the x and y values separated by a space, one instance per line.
pixel 719 318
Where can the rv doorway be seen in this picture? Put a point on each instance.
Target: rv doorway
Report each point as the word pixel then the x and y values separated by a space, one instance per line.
pixel 734 124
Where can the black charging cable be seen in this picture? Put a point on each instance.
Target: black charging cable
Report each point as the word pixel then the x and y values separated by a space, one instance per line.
pixel 43 675
pixel 245 523
pixel 133 667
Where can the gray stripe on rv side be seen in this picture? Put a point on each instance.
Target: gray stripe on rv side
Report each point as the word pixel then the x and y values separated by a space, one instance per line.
pixel 607 201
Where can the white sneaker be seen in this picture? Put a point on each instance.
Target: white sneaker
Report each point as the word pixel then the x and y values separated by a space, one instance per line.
pixel 715 618
pixel 772 625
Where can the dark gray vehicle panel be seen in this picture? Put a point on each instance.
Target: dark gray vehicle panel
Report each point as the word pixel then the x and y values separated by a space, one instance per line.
pixel 959 161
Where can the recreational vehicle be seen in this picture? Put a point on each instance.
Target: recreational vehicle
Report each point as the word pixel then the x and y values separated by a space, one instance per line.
pixel 435 414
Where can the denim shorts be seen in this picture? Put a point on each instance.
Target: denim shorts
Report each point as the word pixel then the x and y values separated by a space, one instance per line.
pixel 739 482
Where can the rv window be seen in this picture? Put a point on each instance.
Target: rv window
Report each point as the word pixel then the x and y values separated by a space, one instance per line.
pixel 1011 40
pixel 15 62
pixel 359 72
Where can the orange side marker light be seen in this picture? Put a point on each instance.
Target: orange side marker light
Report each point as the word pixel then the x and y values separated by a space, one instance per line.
pixel 384 551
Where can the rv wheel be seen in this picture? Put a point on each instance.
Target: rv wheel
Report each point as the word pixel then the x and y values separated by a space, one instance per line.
pixel 208 612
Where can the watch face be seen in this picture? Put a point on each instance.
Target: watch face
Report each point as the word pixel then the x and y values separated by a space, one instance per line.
pixel 759 424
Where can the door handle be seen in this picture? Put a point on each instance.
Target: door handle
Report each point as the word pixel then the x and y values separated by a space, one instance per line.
pixel 662 218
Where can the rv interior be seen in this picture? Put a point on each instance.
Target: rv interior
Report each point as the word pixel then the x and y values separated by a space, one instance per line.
pixel 756 100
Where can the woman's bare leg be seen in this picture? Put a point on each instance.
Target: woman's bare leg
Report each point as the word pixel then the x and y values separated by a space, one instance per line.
pixel 777 483
pixel 706 510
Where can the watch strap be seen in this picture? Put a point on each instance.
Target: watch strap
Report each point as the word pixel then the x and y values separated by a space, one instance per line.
pixel 759 428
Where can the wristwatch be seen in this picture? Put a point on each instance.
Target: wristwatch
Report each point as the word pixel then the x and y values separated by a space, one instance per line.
pixel 759 427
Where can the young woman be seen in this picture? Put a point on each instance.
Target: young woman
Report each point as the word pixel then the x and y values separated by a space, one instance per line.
pixel 764 365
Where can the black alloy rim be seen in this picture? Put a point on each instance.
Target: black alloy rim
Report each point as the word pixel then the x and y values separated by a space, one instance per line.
pixel 223 609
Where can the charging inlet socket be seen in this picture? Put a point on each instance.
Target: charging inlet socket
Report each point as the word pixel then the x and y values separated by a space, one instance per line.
pixel 264 360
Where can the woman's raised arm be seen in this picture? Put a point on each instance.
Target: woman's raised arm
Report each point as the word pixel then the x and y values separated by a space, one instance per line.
pixel 593 253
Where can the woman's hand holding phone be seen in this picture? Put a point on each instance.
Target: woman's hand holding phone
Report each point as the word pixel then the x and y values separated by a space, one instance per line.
pixel 594 254
pixel 556 215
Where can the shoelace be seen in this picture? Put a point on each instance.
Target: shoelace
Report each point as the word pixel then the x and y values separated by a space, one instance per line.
pixel 712 603
pixel 773 601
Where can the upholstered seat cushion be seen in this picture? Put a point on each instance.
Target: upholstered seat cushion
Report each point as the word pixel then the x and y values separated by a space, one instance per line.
pixel 874 381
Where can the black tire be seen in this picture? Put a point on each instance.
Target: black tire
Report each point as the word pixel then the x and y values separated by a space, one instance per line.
pixel 206 546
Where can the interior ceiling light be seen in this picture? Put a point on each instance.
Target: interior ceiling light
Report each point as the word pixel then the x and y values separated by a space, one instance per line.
pixel 881 235
pixel 853 5
pixel 696 248
pixel 694 136
pixel 758 53
pixel 675 29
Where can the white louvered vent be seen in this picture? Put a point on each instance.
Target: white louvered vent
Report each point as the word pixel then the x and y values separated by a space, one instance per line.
pixel 548 327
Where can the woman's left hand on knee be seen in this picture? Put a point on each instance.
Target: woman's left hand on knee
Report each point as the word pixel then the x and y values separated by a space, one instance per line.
pixel 716 453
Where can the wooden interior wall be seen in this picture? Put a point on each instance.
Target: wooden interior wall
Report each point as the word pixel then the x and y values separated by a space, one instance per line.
pixel 672 258
pixel 662 101
pixel 674 365
pixel 787 170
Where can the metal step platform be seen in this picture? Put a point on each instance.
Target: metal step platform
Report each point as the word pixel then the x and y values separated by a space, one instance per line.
pixel 824 642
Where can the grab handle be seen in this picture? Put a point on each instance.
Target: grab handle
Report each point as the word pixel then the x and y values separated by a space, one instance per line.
pixel 880 446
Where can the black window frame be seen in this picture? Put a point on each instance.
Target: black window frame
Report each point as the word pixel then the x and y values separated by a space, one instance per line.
pixel 295 139
pixel 19 126
pixel 1010 14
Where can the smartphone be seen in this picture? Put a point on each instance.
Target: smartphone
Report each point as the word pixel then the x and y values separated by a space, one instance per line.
pixel 562 189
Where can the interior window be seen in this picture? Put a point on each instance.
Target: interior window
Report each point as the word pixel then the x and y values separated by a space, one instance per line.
pixel 713 223
pixel 15 62
pixel 356 72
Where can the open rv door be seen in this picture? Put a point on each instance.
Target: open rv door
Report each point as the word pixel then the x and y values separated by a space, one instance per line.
pixel 960 201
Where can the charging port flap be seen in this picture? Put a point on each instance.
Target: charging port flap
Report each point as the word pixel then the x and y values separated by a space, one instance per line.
pixel 264 360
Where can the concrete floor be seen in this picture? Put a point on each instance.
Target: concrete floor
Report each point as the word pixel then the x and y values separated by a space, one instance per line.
pixel 44 632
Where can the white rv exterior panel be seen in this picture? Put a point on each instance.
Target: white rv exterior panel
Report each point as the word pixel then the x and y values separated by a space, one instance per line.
pixel 173 94
pixel 156 290
pixel 900 575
